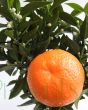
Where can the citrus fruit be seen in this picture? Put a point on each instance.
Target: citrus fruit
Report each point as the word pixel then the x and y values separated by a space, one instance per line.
pixel 55 78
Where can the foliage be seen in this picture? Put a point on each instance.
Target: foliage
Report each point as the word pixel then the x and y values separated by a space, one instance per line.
pixel 35 27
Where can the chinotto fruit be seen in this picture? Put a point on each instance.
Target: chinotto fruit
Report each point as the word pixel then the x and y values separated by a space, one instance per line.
pixel 55 78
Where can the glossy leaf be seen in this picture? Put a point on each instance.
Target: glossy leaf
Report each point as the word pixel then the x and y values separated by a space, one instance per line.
pixel 32 6
pixel 9 33
pixel 25 95
pixel 14 72
pixel 2 36
pixel 2 25
pixel 86 8
pixel 85 91
pixel 16 5
pixel 57 3
pixel 75 6
pixel 10 71
pixel 5 13
pixel 30 102
pixel 3 3
pixel 67 42
pixel 84 29
pixel 13 53
pixel 7 67
pixel 3 55
pixel 16 89
pixel 75 12
pixel 39 107
pixel 68 18
pixel 12 82
pixel 54 43
pixel 10 3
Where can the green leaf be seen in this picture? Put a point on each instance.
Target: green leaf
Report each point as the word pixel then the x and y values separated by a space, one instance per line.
pixel 17 88
pixel 2 36
pixel 41 46
pixel 84 29
pixel 9 71
pixel 86 8
pixel 9 33
pixel 57 3
pixel 12 82
pixel 75 12
pixel 32 6
pixel 25 95
pixel 13 53
pixel 28 103
pixel 10 3
pixel 54 43
pixel 68 18
pixel 16 5
pixel 7 67
pixel 75 6
pixel 30 34
pixel 67 42
pixel 5 13
pixel 22 50
pixel 39 107
pixel 3 25
pixel 38 0
pixel 85 91
pixel 3 3
pixel 3 55
pixel 14 72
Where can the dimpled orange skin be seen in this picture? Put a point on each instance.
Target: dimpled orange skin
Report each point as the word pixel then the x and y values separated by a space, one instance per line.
pixel 55 78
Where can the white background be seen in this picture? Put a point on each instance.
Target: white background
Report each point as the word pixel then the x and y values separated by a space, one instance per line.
pixel 4 79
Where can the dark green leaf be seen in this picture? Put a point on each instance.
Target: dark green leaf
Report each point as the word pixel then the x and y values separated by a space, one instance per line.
pixel 25 95
pixel 14 72
pixel 86 8
pixel 41 46
pixel 3 3
pixel 30 34
pixel 12 82
pixel 25 87
pixel 10 3
pixel 2 25
pixel 75 6
pixel 67 42
pixel 32 6
pixel 2 36
pixel 9 33
pixel 3 55
pixel 22 50
pixel 75 12
pixel 5 68
pixel 23 25
pixel 39 107
pixel 28 103
pixel 5 13
pixel 13 53
pixel 17 5
pixel 54 43
pixel 84 29
pixel 68 18
pixel 85 92
pixel 17 88
pixel 9 71
pixel 57 3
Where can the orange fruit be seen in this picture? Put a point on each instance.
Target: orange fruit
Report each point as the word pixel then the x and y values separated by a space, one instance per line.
pixel 55 78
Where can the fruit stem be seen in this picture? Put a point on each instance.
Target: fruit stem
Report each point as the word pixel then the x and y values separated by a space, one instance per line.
pixel 52 108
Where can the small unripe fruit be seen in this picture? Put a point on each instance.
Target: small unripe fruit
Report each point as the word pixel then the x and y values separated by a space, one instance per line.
pixel 49 24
